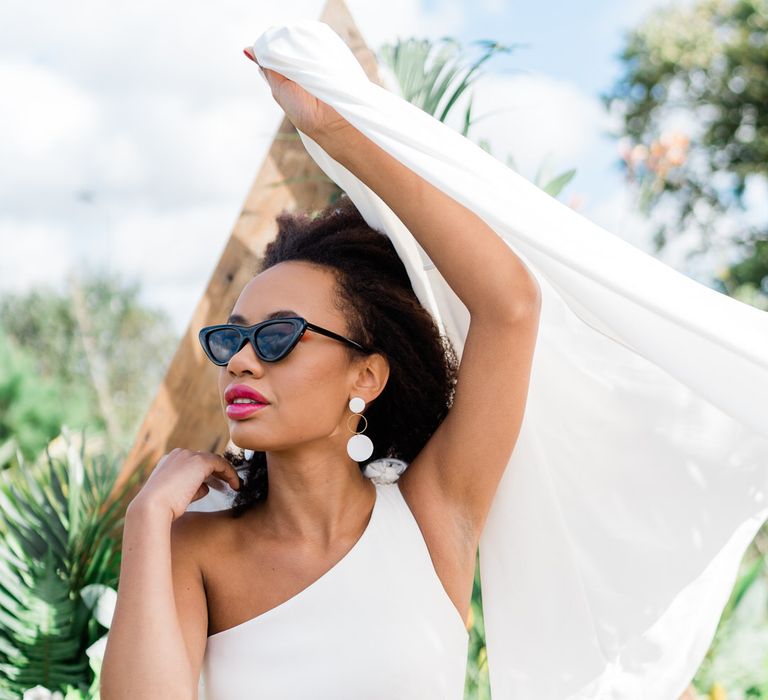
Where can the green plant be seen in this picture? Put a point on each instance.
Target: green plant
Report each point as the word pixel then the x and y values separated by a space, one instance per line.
pixel 694 139
pixel 90 356
pixel 31 405
pixel 434 75
pixel 477 683
pixel 737 659
pixel 58 539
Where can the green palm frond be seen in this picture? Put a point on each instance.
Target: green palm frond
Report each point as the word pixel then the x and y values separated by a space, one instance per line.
pixel 56 537
pixel 556 185
pixel 477 683
pixel 434 75
pixel 744 583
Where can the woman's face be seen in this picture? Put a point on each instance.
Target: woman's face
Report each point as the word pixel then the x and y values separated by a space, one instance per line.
pixel 309 389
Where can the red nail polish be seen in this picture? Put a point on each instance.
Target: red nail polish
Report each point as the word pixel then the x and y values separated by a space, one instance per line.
pixel 245 51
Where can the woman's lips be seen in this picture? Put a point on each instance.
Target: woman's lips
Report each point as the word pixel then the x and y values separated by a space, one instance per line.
pixel 238 411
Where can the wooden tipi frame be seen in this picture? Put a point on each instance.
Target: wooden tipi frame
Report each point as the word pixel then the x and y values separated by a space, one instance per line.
pixel 187 412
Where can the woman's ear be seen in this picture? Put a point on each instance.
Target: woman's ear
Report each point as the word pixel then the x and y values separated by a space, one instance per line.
pixel 371 377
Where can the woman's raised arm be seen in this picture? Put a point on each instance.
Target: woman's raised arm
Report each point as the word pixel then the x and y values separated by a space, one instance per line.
pixel 478 265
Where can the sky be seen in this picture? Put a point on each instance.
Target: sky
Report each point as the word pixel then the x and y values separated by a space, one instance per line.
pixel 132 133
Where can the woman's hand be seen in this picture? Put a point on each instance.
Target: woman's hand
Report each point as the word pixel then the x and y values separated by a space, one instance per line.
pixel 179 478
pixel 308 114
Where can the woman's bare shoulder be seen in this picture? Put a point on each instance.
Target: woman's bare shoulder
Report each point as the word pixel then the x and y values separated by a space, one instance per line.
pixel 202 531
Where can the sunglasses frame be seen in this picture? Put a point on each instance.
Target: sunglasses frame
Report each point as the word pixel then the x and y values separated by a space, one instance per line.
pixel 248 333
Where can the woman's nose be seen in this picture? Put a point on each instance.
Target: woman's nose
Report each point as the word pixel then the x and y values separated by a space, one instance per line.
pixel 245 358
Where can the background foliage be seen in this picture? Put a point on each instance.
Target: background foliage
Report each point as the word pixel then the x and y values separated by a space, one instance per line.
pixel 58 541
pixel 92 356
pixel 692 99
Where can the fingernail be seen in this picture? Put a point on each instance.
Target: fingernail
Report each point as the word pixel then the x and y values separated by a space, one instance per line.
pixel 250 55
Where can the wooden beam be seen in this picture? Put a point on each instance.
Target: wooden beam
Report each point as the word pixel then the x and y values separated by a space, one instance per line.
pixel 187 412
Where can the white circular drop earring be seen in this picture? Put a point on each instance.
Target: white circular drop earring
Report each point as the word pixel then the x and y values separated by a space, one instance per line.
pixel 359 446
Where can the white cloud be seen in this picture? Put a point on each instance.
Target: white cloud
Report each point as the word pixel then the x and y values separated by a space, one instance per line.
pixel 405 18
pixel 45 119
pixel 174 252
pixel 49 111
pixel 34 254
pixel 536 119
pixel 137 130
pixel 172 245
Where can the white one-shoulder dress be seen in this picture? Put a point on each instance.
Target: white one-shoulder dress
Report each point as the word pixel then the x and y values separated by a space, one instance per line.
pixel 378 625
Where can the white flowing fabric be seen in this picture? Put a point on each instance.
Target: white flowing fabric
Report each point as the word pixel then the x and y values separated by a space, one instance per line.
pixel 638 479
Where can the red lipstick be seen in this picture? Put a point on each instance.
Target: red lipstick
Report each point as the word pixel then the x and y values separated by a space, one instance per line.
pixel 243 409
pixel 243 391
pixel 238 411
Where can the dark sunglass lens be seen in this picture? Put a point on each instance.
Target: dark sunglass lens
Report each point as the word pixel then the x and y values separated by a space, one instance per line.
pixel 273 340
pixel 223 343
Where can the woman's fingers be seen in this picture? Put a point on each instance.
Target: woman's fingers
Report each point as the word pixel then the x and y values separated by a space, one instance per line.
pixel 273 78
pixel 183 476
pixel 307 113
pixel 220 468
pixel 219 484
pixel 201 491
pixel 226 472
pixel 249 52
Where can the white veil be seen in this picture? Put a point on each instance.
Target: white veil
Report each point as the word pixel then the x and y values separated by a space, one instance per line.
pixel 638 479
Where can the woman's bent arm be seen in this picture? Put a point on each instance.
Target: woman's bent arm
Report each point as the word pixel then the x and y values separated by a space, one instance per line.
pixel 147 655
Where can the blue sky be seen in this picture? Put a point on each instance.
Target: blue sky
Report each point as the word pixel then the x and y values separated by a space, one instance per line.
pixel 572 41
pixel 152 110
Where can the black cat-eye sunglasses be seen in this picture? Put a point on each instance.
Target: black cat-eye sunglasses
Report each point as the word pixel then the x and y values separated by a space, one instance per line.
pixel 272 340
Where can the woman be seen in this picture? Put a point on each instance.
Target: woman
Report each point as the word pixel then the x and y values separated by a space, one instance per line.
pixel 193 584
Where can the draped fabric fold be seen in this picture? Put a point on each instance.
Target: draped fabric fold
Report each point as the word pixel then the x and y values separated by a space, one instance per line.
pixel 639 475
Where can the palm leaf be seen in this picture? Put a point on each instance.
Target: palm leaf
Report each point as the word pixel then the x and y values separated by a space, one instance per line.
pixel 433 76
pixel 54 541
pixel 555 186
pixel 744 582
